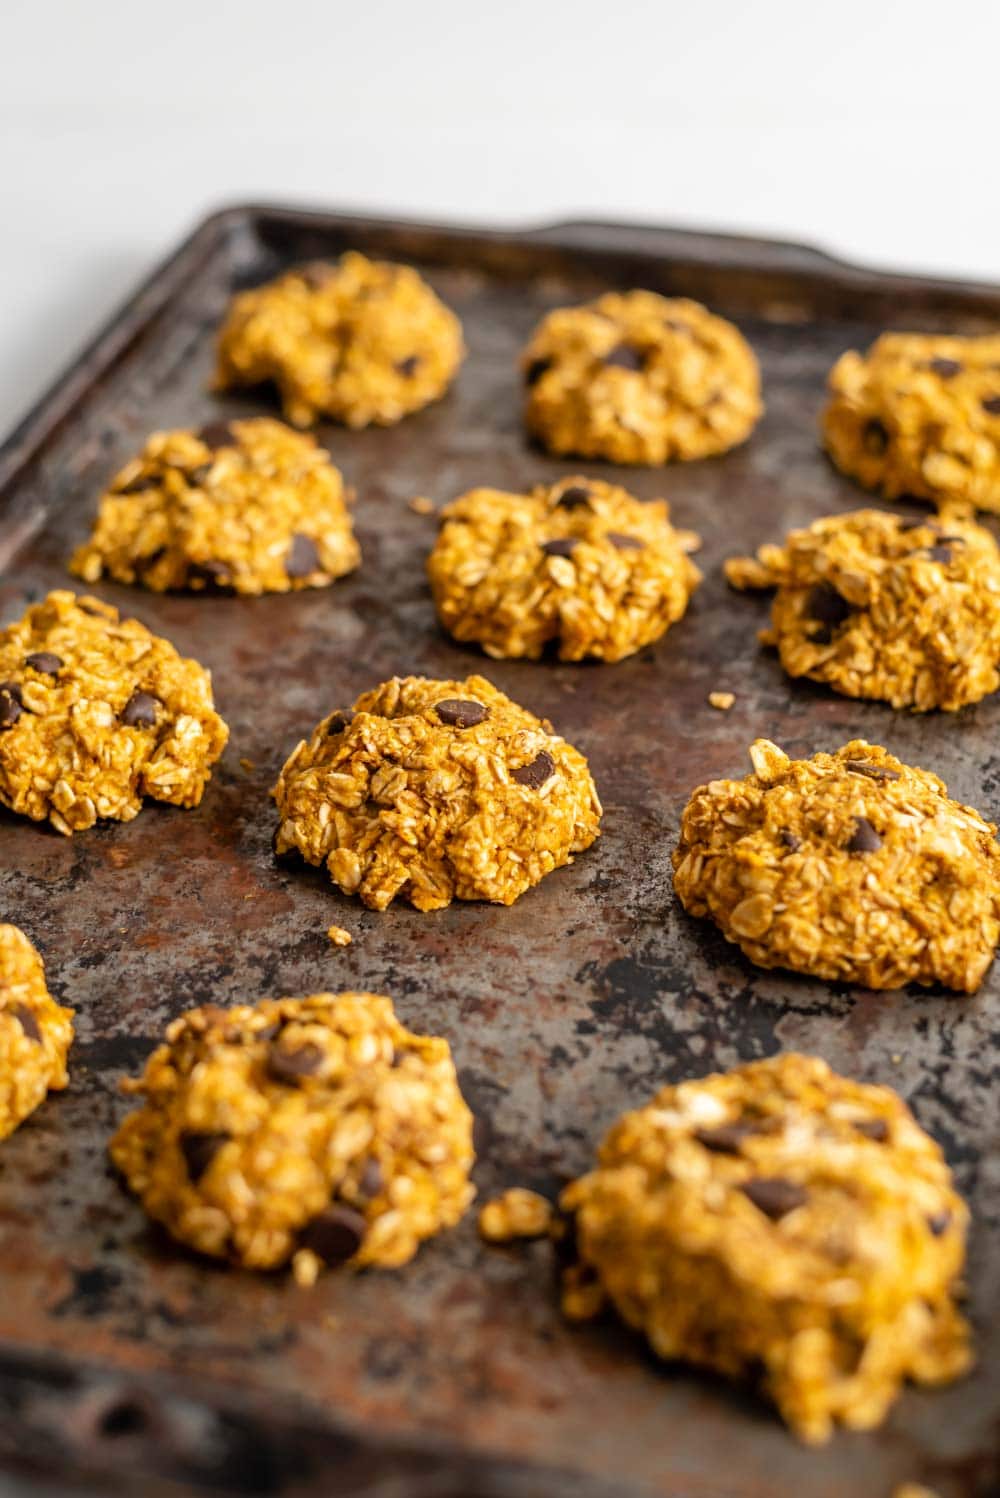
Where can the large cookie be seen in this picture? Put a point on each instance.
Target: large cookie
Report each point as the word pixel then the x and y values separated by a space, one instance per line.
pixel 314 1130
pixel 433 791
pixel 851 866
pixel 639 378
pixel 246 506
pixel 579 563
pixel 35 1032
pixel 97 713
pixel 783 1223
pixel 919 415
pixel 362 341
pixel 907 611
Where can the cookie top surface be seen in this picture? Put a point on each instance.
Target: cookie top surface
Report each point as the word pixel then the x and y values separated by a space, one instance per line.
pixel 362 341
pixel 96 713
pixel 433 791
pixel 907 611
pixel 919 414
pixel 247 506
pixel 35 1031
pixel 579 562
pixel 635 377
pixel 317 1130
pixel 850 866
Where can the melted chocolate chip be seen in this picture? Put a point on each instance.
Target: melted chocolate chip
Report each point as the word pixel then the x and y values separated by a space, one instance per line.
pixel 864 838
pixel 217 434
pixel 408 367
pixel 942 554
pixel 335 1235
pixel 874 772
pixel 791 842
pixel 875 437
pixel 574 498
pixel 939 1222
pixel 946 369
pixel 724 1140
pixel 562 546
pixel 10 704
pixel 534 776
pixel 456 713
pixel 139 484
pixel 535 370
pixel 140 710
pixel 774 1196
pixel 371 1182
pixel 291 1066
pixel 303 557
pixel 199 1150
pixel 28 1021
pixel 338 722
pixel 827 606
pixel 991 404
pixel 209 574
pixel 624 357
pixel 625 543
pixel 873 1128
pixel 45 662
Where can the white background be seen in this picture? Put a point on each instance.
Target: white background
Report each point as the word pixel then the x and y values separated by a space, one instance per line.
pixel 870 128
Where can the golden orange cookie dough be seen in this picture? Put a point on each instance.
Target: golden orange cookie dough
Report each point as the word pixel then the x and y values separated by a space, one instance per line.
pixel 919 414
pixel 782 1223
pixel 35 1032
pixel 850 866
pixel 579 563
pixel 635 377
pixel 97 713
pixel 316 1131
pixel 907 611
pixel 243 506
pixel 362 341
pixel 435 790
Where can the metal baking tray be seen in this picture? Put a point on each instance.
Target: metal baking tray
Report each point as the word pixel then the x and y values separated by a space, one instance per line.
pixel 125 1359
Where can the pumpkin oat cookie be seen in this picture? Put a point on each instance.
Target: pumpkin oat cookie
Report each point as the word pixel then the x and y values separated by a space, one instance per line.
pixel 243 506
pixel 635 377
pixel 919 414
pixel 35 1032
pixel 435 790
pixel 850 866
pixel 96 713
pixel 907 611
pixel 579 563
pixel 362 341
pixel 779 1221
pixel 317 1131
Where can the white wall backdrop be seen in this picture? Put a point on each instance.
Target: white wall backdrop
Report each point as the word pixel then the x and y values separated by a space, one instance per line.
pixel 871 128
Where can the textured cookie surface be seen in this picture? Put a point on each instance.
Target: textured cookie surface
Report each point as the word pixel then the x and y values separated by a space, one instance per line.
pixel 35 1032
pixel 363 341
pixel 919 415
pixel 580 563
pixel 315 1130
pixel 640 378
pixel 876 606
pixel 247 506
pixel 851 866
pixel 779 1218
pixel 96 713
pixel 434 791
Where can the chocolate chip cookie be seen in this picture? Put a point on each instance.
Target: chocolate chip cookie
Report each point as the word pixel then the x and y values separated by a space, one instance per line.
pixel 35 1032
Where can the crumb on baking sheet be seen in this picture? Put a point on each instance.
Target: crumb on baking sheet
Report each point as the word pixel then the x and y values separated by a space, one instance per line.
pixel 421 505
pixel 721 700
pixel 247 765
pixel 515 1213
pixel 339 936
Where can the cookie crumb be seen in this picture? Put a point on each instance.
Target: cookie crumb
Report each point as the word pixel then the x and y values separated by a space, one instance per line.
pixel 339 936
pixel 421 505
pixel 247 765
pixel 515 1213
pixel 721 700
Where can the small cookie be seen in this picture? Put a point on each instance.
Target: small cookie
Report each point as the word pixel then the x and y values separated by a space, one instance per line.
pixel 579 562
pixel 784 1222
pixel 246 506
pixel 919 415
pixel 639 378
pixel 850 866
pixel 314 1130
pixel 96 713
pixel 35 1032
pixel 362 341
pixel 906 611
pixel 435 791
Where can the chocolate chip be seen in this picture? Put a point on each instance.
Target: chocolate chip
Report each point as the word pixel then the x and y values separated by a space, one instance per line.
pixel 624 357
pixel 291 1066
pixel 197 476
pixel 408 367
pixel 774 1196
pixel 724 1140
pixel 946 368
pixel 140 710
pixel 139 484
pixel 939 1222
pixel 217 434
pixel 457 713
pixel 534 776
pixel 918 525
pixel 827 606
pixel 874 772
pixel 942 554
pixel 576 497
pixel 625 543
pixel 561 547
pixel 791 842
pixel 199 1150
pixel 303 557
pixel 864 838
pixel 45 662
pixel 28 1021
pixel 873 1128
pixel 210 574
pixel 91 609
pixel 370 1183
pixel 338 721
pixel 875 437
pixel 535 370
pixel 991 403
pixel 10 704
pixel 335 1235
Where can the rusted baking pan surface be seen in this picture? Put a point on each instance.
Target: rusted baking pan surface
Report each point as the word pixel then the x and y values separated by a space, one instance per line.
pixel 457 1374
